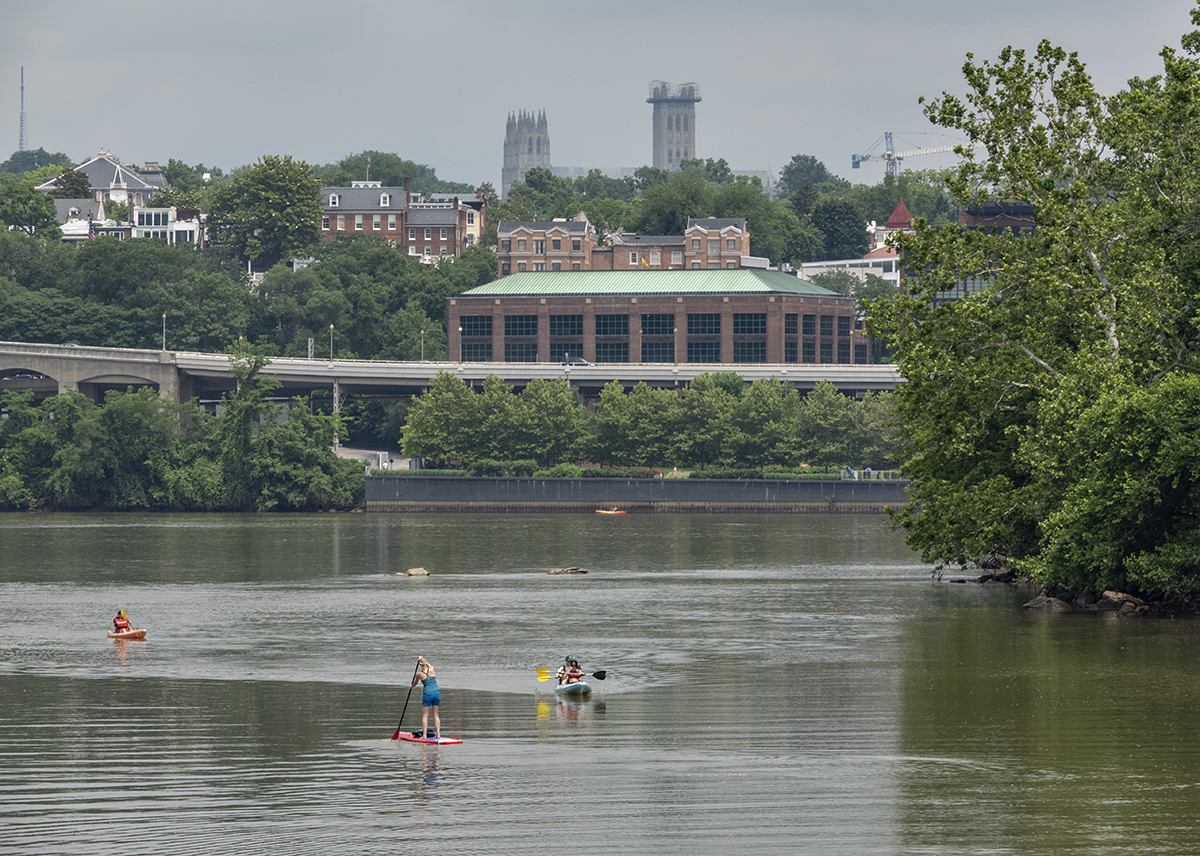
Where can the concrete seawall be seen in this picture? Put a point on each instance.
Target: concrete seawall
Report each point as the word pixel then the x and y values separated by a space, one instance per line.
pixel 399 494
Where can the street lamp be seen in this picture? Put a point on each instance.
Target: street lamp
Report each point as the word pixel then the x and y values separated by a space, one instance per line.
pixel 460 344
pixel 422 346
pixel 331 343
pixel 164 345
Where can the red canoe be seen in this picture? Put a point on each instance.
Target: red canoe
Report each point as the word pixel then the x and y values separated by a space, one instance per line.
pixel 127 634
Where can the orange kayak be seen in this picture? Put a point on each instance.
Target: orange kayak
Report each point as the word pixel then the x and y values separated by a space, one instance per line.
pixel 609 511
pixel 127 634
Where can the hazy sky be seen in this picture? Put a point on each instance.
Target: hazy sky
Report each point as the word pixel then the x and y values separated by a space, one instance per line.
pixel 224 83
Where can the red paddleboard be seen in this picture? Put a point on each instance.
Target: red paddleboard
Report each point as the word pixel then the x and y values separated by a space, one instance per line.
pixel 408 737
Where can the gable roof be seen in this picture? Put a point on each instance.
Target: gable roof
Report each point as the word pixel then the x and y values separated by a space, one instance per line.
pixel 363 198
pixel 716 224
pixel 104 173
pixel 637 282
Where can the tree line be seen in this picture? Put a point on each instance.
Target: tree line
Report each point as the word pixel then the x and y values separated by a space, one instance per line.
pixel 138 451
pixel 718 421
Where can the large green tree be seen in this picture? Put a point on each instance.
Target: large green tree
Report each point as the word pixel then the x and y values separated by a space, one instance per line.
pixel 268 212
pixel 1065 386
pixel 28 211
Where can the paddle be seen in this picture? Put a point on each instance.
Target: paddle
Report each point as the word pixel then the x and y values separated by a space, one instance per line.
pixel 411 684
pixel 546 674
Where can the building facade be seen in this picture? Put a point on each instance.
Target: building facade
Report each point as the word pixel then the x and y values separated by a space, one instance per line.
pixel 526 145
pixel 717 316
pixel 673 122
pixel 112 182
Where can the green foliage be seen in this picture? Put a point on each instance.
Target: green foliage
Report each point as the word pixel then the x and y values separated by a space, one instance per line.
pixel 32 159
pixel 269 211
pixel 664 209
pixel 843 226
pixel 72 184
pixel 1048 415
pixel 806 171
pixel 24 209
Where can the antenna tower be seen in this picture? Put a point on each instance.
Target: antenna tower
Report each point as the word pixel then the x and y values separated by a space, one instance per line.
pixel 24 144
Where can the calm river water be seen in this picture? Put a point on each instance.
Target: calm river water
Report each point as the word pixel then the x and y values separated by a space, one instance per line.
pixel 775 685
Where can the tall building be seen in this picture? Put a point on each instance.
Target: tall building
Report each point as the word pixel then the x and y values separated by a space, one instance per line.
pixel 526 145
pixel 674 122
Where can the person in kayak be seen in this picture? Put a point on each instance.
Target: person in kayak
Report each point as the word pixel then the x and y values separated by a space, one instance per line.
pixel 121 623
pixel 431 696
pixel 569 672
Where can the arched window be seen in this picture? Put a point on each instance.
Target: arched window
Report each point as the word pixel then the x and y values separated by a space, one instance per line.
pixel 531 145
pixel 670 122
pixel 539 145
pixel 685 123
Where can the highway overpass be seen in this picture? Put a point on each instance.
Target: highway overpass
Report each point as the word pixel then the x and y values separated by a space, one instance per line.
pixel 182 375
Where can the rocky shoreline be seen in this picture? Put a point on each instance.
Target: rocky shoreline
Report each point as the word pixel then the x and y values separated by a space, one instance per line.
pixel 1062 599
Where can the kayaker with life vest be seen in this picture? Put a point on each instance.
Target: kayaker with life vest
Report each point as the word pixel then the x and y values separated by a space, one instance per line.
pixel 569 672
pixel 121 623
pixel 431 696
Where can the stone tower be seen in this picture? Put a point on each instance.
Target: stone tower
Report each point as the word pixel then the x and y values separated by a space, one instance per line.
pixel 674 122
pixel 526 145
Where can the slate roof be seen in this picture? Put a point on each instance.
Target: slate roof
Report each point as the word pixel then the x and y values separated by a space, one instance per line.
pixel 418 216
pixel 638 282
pixel 648 240
pixel 717 224
pixel 362 199
pixel 568 226
pixel 86 207
pixel 104 173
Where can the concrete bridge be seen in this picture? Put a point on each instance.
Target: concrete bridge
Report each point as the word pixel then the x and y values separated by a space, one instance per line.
pixel 181 376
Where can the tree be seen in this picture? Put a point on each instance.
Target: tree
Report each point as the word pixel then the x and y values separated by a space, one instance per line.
pixel 443 422
pixel 72 184
pixel 268 212
pixel 31 159
pixel 843 227
pixel 664 209
pixel 1048 416
pixel 804 170
pixel 33 213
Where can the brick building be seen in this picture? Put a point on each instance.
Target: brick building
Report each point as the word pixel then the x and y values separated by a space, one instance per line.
pixel 571 245
pixel 718 316
pixel 443 226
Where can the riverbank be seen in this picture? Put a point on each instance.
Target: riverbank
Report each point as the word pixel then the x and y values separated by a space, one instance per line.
pixel 1062 599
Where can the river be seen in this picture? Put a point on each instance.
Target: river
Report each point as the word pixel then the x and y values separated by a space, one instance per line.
pixel 775 684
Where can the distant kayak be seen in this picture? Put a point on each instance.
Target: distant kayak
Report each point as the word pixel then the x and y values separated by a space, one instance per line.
pixel 127 634
pixel 579 689
pixel 409 737
pixel 609 511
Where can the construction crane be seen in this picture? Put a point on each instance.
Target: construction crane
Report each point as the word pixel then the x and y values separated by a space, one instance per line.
pixel 894 157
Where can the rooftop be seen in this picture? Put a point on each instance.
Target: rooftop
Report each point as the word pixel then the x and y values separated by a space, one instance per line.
pixel 637 282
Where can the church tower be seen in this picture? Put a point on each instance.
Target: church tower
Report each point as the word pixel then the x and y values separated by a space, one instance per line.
pixel 526 145
pixel 674 122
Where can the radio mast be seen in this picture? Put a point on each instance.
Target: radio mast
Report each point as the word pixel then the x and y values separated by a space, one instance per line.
pixel 24 141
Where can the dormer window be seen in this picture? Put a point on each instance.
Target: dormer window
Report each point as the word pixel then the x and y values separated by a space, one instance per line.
pixel 333 200
pixel 385 200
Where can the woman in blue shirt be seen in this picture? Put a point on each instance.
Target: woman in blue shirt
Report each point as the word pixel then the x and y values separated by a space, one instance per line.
pixel 431 697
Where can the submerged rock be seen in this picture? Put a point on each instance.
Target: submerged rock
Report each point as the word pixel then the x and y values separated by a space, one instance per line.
pixel 572 570
pixel 412 572
pixel 1049 604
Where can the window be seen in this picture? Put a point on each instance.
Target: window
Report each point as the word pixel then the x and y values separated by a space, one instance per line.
pixel 713 265
pixel 574 265
pixel 810 325
pixel 695 245
pixel 333 200
pixel 704 352
pixel 695 265
pixel 520 325
pixel 476 352
pixel 539 265
pixel 539 247
pixel 506 245
pixel 809 351
pixel 443 234
pixel 530 149
pixel 843 352
pixel 703 324
pixel 860 355
pixel 791 325
pixel 750 323
pixel 358 222
pixel 685 122
pixel 731 265
pixel 470 240
pixel 730 244
pixel 520 244
pixel 633 259
pixel 520 352
pixel 391 222
pixel 749 352
pixel 341 222
pixel 442 251
pixel 412 234
pixel 539 145
pixel 476 325
pixel 412 249
pixel 325 223
pixel 714 247
pixel 429 234
pixel 655 258
pixel 789 352
pixel 470 218
pixel 844 322
pixel 676 258
pixel 566 325
pixel 658 325
pixel 612 325
pixel 556 266
pixel 429 251
pixel 826 325
pixel 612 352
pixel 385 200
pixel 377 223
pixel 520 267
pixel 505 268
pixel 557 244
pixel 575 244
pixel 827 352
pixel 658 352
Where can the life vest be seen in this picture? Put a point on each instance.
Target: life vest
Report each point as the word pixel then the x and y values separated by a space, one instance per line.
pixel 120 624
